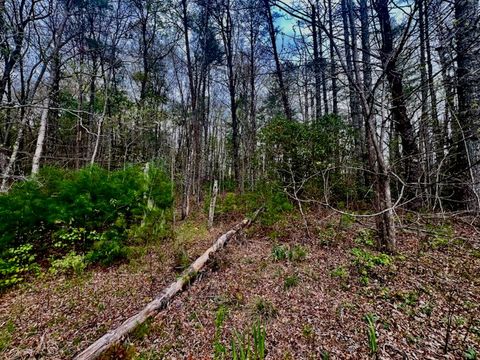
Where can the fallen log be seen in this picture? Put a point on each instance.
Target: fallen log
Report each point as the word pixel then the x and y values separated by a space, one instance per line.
pixel 117 335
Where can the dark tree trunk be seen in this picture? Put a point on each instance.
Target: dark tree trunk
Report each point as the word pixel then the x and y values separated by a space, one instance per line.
pixel 400 117
pixel 278 66
pixel 333 66
pixel 227 34
pixel 316 66
pixel 468 91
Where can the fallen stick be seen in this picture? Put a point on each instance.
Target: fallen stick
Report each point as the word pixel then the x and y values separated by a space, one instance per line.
pixel 117 335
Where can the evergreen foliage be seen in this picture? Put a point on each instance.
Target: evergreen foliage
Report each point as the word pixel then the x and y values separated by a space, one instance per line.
pixel 90 211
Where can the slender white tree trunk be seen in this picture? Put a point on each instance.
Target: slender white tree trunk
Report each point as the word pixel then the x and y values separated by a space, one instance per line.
pixel 42 132
pixel 13 156
pixel 213 200
pixel 99 126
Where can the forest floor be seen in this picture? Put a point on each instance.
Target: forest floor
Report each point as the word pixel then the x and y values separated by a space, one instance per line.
pixel 311 294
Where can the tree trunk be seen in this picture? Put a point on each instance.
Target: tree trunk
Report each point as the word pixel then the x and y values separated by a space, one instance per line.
pixel 316 66
pixel 42 132
pixel 281 84
pixel 113 337
pixel 213 200
pixel 468 90
pixel 404 127
pixel 333 66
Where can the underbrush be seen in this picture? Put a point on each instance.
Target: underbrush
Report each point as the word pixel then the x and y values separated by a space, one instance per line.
pixel 68 219
pixel 267 195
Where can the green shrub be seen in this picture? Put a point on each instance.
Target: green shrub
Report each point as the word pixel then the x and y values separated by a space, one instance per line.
pixel 15 264
pixel 70 263
pixel 107 252
pixel 268 194
pixel 279 252
pixel 297 151
pixel 290 281
pixel 339 272
pixel 90 211
pixel 365 237
pixel 367 261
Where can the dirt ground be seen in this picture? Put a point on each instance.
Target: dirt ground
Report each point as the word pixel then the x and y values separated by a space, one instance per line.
pixel 424 302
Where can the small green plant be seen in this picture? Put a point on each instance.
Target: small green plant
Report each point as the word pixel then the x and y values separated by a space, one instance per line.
pixel 327 235
pixel 219 350
pixel 6 334
pixel 250 346
pixel 470 354
pixel 142 330
pixel 290 281
pixel 240 347
pixel 265 308
pixel 291 253
pixel 297 253
pixel 70 263
pixel 181 259
pixel 279 252
pixel 442 235
pixel 325 355
pixel 339 272
pixel 259 336
pixel 274 235
pixel 365 237
pixel 367 261
pixel 347 220
pixel 107 252
pixel 371 319
pixel 427 309
pixel 409 298
pixel 308 332
pixel 16 264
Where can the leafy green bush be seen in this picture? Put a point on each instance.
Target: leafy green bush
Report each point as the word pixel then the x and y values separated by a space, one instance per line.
pixel 279 252
pixel 15 264
pixel 269 195
pixel 365 237
pixel 70 263
pixel 296 151
pixel 291 253
pixel 367 261
pixel 290 281
pixel 107 252
pixel 89 211
pixel 339 272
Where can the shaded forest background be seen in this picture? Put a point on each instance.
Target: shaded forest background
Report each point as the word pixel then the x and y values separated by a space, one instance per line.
pixel 370 105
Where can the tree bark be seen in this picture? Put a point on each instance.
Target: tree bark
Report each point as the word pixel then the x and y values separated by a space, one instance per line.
pixel 278 67
pixel 411 160
pixel 468 90
pixel 316 66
